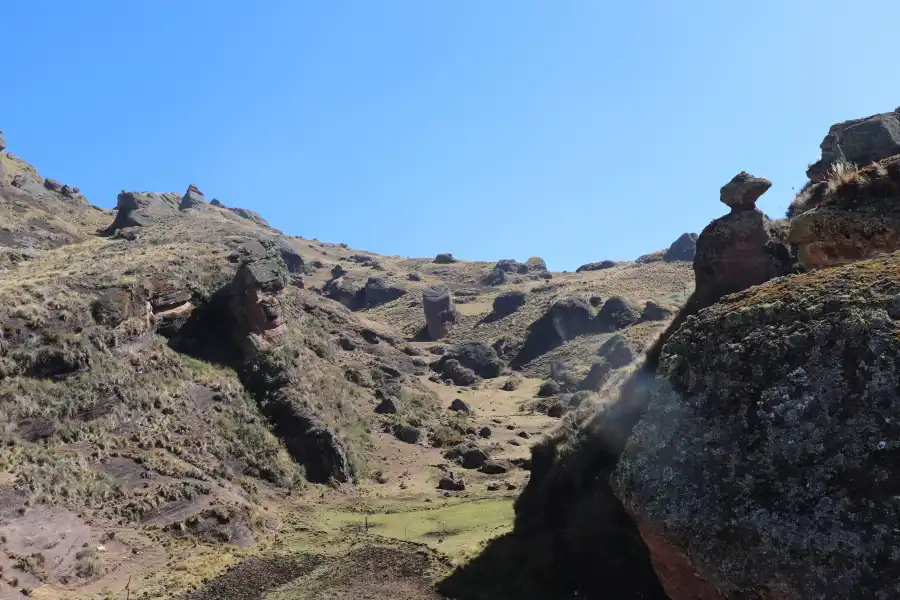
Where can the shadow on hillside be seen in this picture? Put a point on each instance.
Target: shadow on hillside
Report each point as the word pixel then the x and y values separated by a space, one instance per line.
pixel 491 317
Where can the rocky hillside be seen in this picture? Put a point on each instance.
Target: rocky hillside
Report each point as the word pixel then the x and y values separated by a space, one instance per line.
pixel 751 453
pixel 177 374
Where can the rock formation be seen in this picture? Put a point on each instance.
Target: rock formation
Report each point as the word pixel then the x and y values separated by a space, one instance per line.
pixel 255 305
pixel 477 356
pixel 508 303
pixel 379 291
pixel 858 141
pixel 742 192
pixel 192 198
pixel 596 266
pixel 617 313
pixel 444 258
pixel 440 312
pixel 683 248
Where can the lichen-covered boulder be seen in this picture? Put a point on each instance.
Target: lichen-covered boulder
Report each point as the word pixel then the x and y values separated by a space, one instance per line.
pixel 765 464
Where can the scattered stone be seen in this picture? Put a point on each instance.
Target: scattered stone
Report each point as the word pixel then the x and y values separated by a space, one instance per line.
pixel 493 486
pixel 461 406
pixel 617 351
pixel 508 303
pixel 468 455
pixel 597 266
pixel 512 383
pixel 452 482
pixel 484 432
pixel 742 192
pixel 389 406
pixel 444 258
pixel 524 434
pixel 548 389
pixel 514 442
pixel 440 312
pixel 414 277
pixel 408 434
pixel 494 467
pixel 684 248
pixel 596 301
pixel 555 410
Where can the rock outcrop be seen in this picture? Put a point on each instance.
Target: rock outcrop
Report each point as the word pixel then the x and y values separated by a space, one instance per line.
pixel 565 319
pixel 536 263
pixel 683 248
pixel 444 258
pixel 617 313
pixel 597 266
pixel 858 141
pixel 440 312
pixel 378 291
pixel 192 198
pixel 138 209
pixel 508 303
pixel 477 356
pixel 855 215
pixel 255 305
pixel 765 461
pixel 655 312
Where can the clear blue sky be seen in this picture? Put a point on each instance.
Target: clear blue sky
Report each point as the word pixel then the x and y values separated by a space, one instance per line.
pixel 574 130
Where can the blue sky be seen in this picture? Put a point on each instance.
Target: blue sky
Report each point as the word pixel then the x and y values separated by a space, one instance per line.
pixel 574 130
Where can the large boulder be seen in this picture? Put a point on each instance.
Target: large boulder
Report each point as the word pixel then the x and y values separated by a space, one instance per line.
pixel 478 356
pixel 508 303
pixel 565 319
pixel 444 258
pixel 379 291
pixel 440 312
pixel 655 312
pixel 495 277
pixel 617 351
pixel 764 465
pixel 859 141
pixel 849 219
pixel 597 266
pixel 139 209
pixel 347 290
pixel 536 263
pixel 742 192
pixel 617 312
pixel 510 265
pixel 684 248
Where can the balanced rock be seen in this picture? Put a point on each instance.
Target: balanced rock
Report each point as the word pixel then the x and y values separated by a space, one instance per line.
pixel 440 312
pixel 742 192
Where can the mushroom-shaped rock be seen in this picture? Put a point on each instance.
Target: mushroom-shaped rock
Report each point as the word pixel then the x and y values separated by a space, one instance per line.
pixel 742 192
pixel 617 313
pixel 684 248
pixel 192 198
pixel 440 312
pixel 508 303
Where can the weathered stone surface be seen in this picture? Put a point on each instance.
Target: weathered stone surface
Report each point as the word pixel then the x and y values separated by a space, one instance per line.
pixel 852 219
pixel 440 312
pixel 255 305
pixel 565 319
pixel 655 312
pixel 742 192
pixel 389 405
pixel 468 455
pixel 617 313
pixel 408 434
pixel 379 291
pixel 452 482
pixel 684 248
pixel 478 356
pixel 444 258
pixel 617 351
pixel 451 369
pixel 858 141
pixel 461 406
pixel 772 430
pixel 495 277
pixel 597 266
pixel 347 290
pixel 508 303
pixel 536 263
pixel 596 376
pixel 192 198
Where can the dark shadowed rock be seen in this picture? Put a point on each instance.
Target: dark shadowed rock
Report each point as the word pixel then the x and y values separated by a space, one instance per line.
pixel 494 467
pixel 512 383
pixel 495 277
pixel 452 482
pixel 617 313
pixel 408 434
pixel 597 266
pixel 389 405
pixel 556 410
pixel 859 141
pixel 508 303
pixel 565 319
pixel 742 192
pixel 683 248
pixel 461 406
pixel 255 305
pixel 192 198
pixel 477 356
pixel 379 291
pixel 414 277
pixel 444 258
pixel 468 455
pixel 292 259
pixel 455 372
pixel 484 432
pixel 596 376
pixel 338 271
pixel 217 202
pixel 346 290
pixel 756 448
pixel 655 312
pixel 548 389
pixel 440 312
pixel 510 265
pixel 53 185
pixel 616 351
